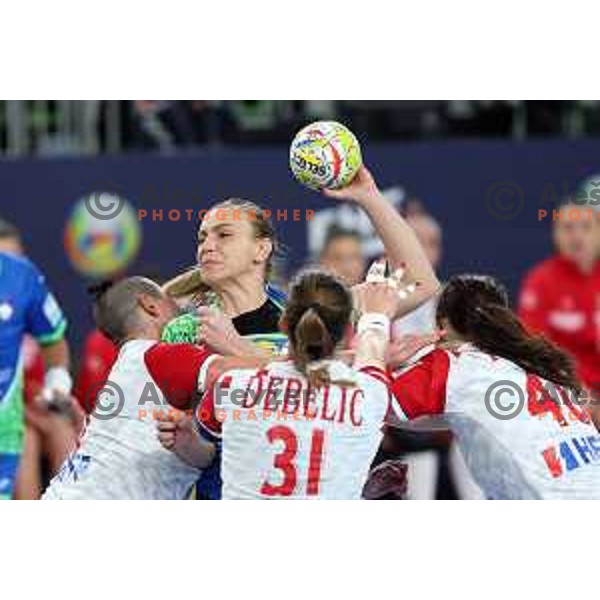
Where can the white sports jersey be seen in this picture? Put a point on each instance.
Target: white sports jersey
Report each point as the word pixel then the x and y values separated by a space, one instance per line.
pixel 518 442
pixel 423 467
pixel 120 457
pixel 283 439
pixel 419 321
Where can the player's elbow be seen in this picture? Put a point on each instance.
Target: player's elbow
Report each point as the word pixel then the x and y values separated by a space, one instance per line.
pixel 430 287
pixel 427 289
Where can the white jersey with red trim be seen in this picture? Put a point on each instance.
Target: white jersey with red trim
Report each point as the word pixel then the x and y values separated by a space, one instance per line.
pixel 119 456
pixel 521 436
pixel 283 439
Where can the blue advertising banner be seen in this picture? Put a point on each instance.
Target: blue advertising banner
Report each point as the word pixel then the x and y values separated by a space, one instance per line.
pixel 487 196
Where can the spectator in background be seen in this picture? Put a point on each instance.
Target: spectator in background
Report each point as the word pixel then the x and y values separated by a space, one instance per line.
pixel 169 124
pixel 342 255
pixel 560 297
pixel 260 121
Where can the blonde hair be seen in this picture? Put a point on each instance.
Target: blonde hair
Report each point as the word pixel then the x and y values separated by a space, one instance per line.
pixel 190 285
pixel 185 284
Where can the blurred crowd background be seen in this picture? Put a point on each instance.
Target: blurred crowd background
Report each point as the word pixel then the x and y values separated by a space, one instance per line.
pixel 48 127
pixel 470 176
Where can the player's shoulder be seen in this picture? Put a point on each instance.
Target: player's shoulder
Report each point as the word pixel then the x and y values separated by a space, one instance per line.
pixel 18 266
pixel 137 347
pixel 286 369
pixel 371 375
pixel 470 363
pixel 276 368
pixel 276 295
pixel 164 354
pixel 465 352
pixel 171 355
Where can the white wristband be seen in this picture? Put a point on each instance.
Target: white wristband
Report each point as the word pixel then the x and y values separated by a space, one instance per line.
pixel 59 380
pixel 374 322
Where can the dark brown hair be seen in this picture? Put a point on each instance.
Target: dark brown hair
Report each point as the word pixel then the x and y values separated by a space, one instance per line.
pixel 477 308
pixel 9 231
pixel 317 314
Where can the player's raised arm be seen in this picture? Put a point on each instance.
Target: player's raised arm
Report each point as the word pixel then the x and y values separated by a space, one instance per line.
pixel 402 247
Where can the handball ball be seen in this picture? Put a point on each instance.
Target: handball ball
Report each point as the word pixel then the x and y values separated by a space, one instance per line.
pixel 325 154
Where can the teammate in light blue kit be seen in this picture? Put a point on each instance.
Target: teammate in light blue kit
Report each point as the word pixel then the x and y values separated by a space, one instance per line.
pixel 26 306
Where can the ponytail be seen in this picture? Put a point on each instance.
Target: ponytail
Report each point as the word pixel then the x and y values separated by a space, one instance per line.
pixel 317 314
pixel 189 286
pixel 313 343
pixel 497 330
pixel 184 284
pixel 477 309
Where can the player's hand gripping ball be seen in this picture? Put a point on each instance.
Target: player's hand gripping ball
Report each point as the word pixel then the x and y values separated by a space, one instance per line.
pixel 325 155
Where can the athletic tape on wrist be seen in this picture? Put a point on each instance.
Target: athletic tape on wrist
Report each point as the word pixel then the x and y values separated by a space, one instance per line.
pixel 374 322
pixel 58 379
